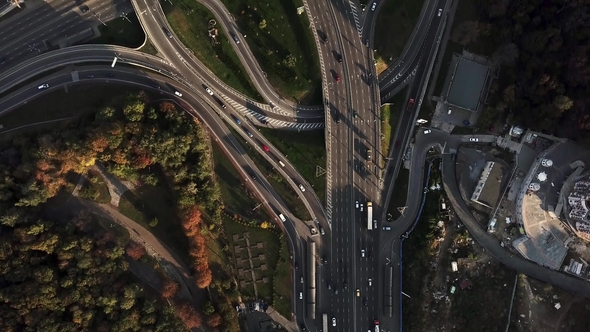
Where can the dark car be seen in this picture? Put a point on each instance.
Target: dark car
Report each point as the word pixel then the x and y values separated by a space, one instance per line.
pixel 167 32
pixel 254 177
pixel 236 119
pixel 110 75
pixel 345 285
pixel 339 57
pixel 337 117
pixel 365 301
pixel 84 9
pixel 355 114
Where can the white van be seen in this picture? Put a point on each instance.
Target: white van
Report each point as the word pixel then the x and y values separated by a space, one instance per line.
pixel 282 217
pixel 281 163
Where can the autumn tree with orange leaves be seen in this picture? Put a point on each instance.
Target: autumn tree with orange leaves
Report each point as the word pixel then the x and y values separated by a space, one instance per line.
pixel 169 288
pixel 188 315
pixel 135 250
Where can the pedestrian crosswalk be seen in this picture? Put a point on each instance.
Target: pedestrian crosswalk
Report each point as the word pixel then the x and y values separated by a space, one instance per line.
pixel 259 119
pixel 355 15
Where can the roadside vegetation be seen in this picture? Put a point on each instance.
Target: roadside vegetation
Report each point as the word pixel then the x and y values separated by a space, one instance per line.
pixel 306 151
pixel 398 19
pixel 190 21
pixel 95 188
pixel 276 180
pixel 439 296
pixel 390 114
pixel 399 196
pixel 283 44
pixel 122 32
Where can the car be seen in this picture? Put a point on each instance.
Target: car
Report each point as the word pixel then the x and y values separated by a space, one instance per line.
pixel 43 86
pixel 365 301
pixel 283 219
pixel 249 133
pixel 236 119
pixel 178 93
pixel 302 188
pixel 301 279
pixel 439 12
pixel 333 321
pixel 296 266
pixel 2 60
pixel 473 139
pixel 302 327
pixel 236 39
pixel 84 9
pixel 363 253
pixel 356 204
pixel 329 285
pixel 338 57
pixel 358 292
pixel 209 91
pixel 322 231
pixel 345 285
pixel 301 295
pixel 219 102
pixel 89 76
pixel 355 114
pixel 362 207
pixel 373 6
pixel 466 122
pixel 370 282
pixel 386 228
pixel 427 131
pixel 336 290
pixel 369 254
pixel 254 177
pixel 450 111
pixel 337 117
pixel 375 224
pixel 167 32
pixel 265 148
pixel 337 78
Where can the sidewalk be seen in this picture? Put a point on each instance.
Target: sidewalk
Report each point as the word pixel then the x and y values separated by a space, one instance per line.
pixel 287 324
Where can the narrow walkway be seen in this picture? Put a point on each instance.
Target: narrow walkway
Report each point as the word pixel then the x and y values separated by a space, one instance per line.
pixel 247 238
pixel 116 186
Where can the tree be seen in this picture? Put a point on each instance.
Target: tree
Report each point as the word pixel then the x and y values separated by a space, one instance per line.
pixel 265 225
pixel 290 61
pixel 563 103
pixel 506 54
pixel 135 250
pixel 262 24
pixel 134 111
pixel 169 288
pixel 214 320
pixel 192 221
pixel 188 315
pixel 154 222
pixel 466 33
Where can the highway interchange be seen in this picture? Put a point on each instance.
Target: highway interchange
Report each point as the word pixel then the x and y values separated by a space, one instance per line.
pixel 350 114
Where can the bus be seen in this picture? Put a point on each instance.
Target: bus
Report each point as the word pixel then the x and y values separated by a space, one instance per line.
pixel 369 216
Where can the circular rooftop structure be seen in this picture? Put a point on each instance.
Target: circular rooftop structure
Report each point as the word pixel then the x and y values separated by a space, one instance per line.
pixel 547 162
pixel 542 176
pixel 534 186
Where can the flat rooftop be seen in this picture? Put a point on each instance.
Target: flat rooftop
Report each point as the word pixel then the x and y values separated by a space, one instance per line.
pixel 467 83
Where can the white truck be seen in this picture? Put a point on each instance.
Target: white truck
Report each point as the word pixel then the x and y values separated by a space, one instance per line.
pixel 369 216
pixel 325 323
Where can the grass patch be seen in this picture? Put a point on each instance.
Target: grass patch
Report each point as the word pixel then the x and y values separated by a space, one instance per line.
pixel 400 16
pixel 390 114
pixel 305 151
pixel 76 102
pixel 276 180
pixel 399 196
pixel 237 197
pixel 149 48
pixel 275 34
pixel 262 242
pixel 121 32
pixel 95 188
pixel 145 203
pixel 283 283
pixel 121 234
pixel 189 19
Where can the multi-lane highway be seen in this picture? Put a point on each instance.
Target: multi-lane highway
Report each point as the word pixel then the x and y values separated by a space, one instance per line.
pixel 354 174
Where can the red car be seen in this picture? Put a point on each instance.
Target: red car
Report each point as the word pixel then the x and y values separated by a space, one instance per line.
pixel 337 78
pixel 265 148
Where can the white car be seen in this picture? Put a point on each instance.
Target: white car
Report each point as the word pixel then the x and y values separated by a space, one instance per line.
pixel 363 253
pixel 301 295
pixel 427 131
pixel 357 204
pixel 386 228
pixel 283 219
pixel 370 282
pixel 361 207
pixel 358 292
pixel 473 139
pixel 301 279
pixel 450 111
pixel 178 93
pixel 439 12
pixel 333 321
pixel 209 91
pixel 302 188
pixel 43 86
pixel 373 6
